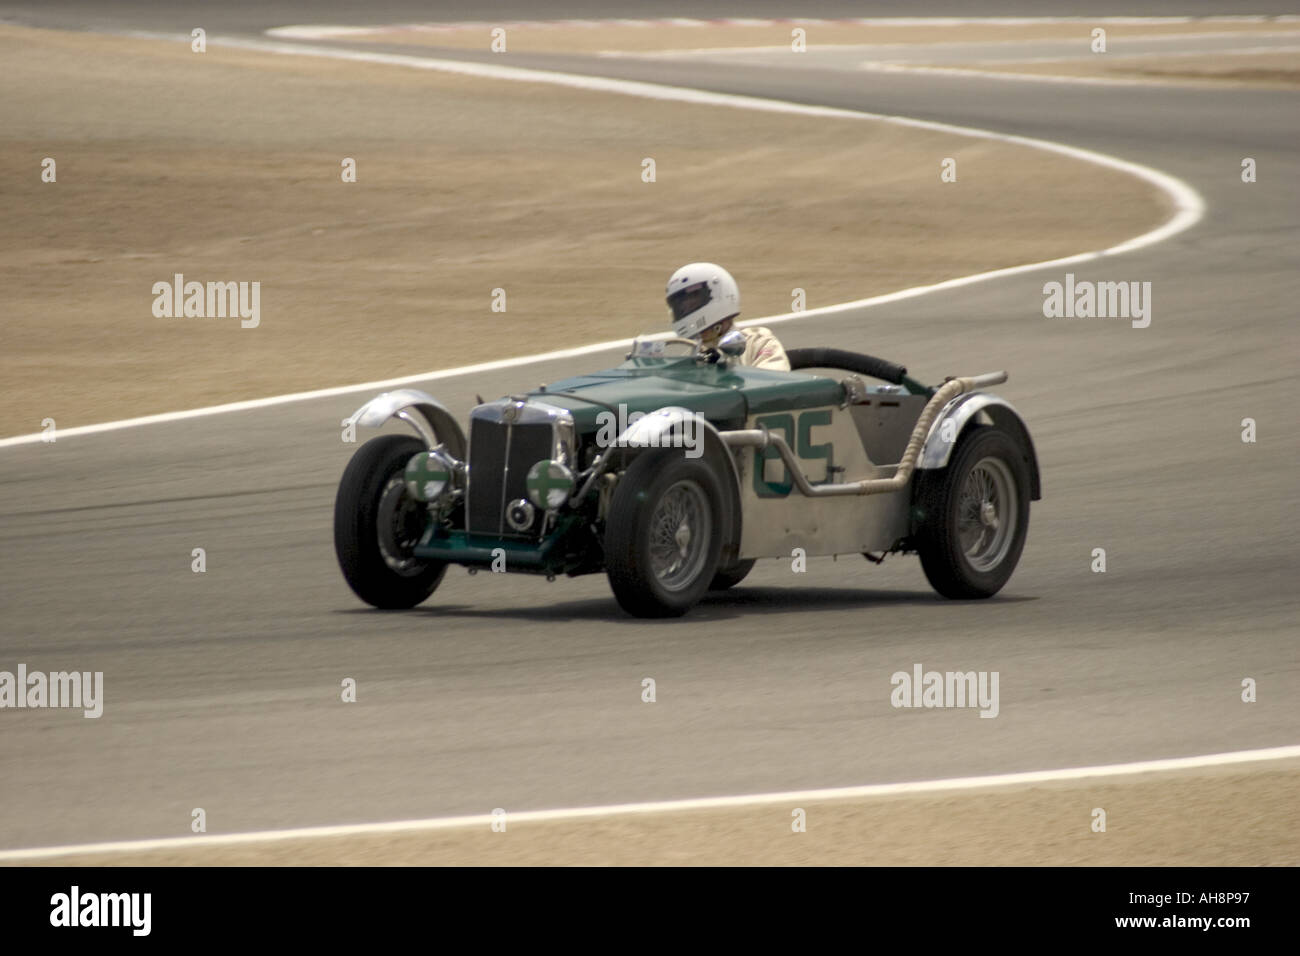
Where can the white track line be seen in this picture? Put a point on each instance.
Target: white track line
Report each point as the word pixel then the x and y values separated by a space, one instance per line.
pixel 1161 55
pixel 687 52
pixel 877 66
pixel 791 797
pixel 327 31
pixel 1188 205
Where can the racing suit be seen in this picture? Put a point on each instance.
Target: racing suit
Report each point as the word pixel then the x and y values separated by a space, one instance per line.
pixel 762 350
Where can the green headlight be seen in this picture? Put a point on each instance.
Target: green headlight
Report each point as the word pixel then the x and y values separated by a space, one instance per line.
pixel 549 484
pixel 428 475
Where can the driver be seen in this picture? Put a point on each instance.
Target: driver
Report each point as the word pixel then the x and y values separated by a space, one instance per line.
pixel 705 300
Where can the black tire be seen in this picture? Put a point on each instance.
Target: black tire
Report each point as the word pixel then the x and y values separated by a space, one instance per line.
pixel 965 549
pixel 731 576
pixel 658 488
pixel 367 489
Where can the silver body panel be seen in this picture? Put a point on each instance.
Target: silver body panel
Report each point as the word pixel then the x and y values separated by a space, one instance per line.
pixel 774 524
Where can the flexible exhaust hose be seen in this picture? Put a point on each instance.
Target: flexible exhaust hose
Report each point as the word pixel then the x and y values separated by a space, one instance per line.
pixel 762 438
pixel 848 361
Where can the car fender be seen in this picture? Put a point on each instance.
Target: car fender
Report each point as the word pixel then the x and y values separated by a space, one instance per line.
pixel 429 417
pixel 983 409
pixel 663 426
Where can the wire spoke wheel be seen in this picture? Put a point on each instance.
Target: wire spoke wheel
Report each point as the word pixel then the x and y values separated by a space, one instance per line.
pixel 986 516
pixel 663 535
pixel 973 515
pixel 680 528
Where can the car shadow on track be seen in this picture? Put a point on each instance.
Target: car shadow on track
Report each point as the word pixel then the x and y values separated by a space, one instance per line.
pixel 743 599
pixel 718 605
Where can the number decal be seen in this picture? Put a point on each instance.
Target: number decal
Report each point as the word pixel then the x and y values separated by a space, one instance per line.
pixel 798 438
pixel 762 487
pixel 807 450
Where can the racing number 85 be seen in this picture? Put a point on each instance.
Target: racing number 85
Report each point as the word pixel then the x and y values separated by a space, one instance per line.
pixel 799 439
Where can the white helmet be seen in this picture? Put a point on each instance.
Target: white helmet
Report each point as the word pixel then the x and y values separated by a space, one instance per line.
pixel 700 295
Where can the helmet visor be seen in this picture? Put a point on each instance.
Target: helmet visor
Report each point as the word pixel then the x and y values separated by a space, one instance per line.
pixel 690 299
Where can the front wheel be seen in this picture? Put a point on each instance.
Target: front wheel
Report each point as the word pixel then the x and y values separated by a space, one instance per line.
pixel 377 525
pixel 664 534
pixel 973 515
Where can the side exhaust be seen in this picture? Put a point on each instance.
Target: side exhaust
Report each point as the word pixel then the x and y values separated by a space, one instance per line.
pixel 762 438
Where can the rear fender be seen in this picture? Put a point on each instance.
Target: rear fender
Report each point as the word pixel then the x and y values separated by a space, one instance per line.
pixel 978 408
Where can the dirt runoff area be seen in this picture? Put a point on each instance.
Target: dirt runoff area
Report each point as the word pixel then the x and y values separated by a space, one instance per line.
pixel 1215 817
pixel 227 166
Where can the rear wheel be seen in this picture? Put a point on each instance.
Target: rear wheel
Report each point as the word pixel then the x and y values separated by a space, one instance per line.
pixel 377 525
pixel 974 515
pixel 664 534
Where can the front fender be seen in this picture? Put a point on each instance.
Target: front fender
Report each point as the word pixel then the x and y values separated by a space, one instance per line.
pixel 983 409
pixel 429 417
pixel 676 427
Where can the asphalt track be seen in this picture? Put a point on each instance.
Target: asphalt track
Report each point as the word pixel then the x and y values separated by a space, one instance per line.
pixel 222 689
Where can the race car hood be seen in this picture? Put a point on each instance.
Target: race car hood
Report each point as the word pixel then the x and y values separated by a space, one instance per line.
pixel 725 395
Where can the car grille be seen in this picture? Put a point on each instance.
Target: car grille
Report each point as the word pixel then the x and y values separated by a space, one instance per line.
pixel 500 455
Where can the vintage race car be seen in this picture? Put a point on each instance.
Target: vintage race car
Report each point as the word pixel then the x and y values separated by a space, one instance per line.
pixel 674 472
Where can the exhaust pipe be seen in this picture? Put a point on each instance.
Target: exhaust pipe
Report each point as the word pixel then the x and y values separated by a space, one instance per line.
pixel 762 438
